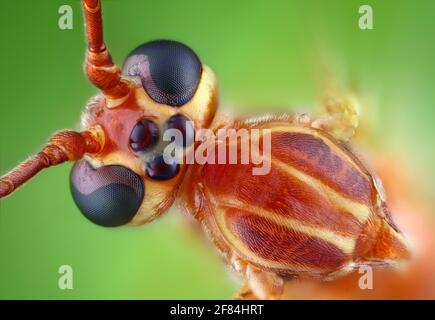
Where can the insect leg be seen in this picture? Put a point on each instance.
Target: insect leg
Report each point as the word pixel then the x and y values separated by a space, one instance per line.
pixel 245 293
pixel 264 285
pixel 341 116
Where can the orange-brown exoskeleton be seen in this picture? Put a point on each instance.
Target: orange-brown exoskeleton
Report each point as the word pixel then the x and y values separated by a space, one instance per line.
pixel 317 213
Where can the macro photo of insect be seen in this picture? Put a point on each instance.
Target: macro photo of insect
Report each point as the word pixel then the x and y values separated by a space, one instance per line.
pixel 217 150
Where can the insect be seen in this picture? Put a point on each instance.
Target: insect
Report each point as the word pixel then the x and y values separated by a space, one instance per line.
pixel 318 213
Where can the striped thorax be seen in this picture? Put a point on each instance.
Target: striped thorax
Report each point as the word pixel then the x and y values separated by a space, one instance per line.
pixel 316 213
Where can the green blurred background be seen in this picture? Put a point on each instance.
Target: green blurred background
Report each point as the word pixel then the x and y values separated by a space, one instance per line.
pixel 265 53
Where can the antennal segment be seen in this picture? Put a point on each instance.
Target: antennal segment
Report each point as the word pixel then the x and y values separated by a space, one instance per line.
pixel 63 146
pixel 100 69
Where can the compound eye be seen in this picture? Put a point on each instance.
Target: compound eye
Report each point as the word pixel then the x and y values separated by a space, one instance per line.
pixel 108 196
pixel 169 71
pixel 144 136
pixel 158 169
pixel 185 126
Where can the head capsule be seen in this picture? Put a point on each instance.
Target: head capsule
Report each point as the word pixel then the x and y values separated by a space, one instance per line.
pixel 129 181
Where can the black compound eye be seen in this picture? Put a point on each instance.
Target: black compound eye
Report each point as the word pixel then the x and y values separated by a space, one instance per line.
pixel 109 196
pixel 144 136
pixel 158 169
pixel 169 71
pixel 185 126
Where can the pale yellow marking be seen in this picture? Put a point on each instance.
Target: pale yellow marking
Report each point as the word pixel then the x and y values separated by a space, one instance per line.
pixel 345 244
pixel 252 256
pixel 328 142
pixel 114 103
pixel 360 211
